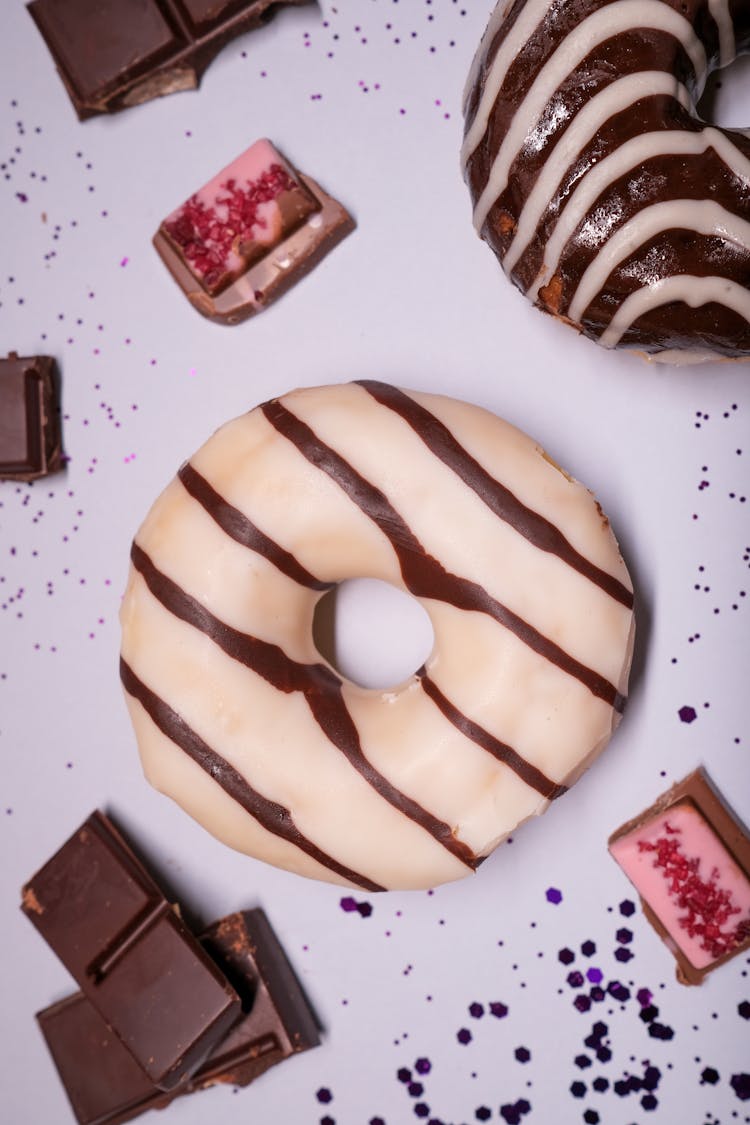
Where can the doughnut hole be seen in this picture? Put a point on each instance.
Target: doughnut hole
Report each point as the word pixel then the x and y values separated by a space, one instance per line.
pixel 372 633
pixel 726 99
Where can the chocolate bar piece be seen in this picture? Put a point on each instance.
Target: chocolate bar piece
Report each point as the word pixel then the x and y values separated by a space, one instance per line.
pixel 689 859
pixel 30 441
pixel 130 953
pixel 249 234
pixel 112 54
pixel 106 1086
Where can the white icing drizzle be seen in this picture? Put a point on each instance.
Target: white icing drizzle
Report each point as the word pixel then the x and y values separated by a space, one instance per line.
pixel 614 19
pixel 719 9
pixel 702 215
pixel 612 100
pixel 694 291
pixel 497 18
pixel 632 155
pixel 522 30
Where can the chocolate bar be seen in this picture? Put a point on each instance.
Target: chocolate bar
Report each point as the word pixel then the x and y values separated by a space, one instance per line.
pixel 130 953
pixel 106 1086
pixel 112 54
pixel 30 440
pixel 249 234
pixel 689 859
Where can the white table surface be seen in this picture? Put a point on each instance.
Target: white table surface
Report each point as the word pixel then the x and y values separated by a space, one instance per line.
pixel 364 95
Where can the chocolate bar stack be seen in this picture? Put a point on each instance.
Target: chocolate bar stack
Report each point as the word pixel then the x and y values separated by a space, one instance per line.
pixel 160 1013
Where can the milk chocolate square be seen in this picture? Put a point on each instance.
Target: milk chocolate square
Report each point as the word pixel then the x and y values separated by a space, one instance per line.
pixel 250 233
pixel 688 857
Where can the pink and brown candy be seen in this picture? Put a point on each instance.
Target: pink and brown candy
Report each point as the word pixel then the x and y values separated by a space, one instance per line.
pixel 248 234
pixel 689 859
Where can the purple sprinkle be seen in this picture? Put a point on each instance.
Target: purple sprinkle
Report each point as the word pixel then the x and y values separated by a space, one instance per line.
pixel 476 1010
pixel 575 979
pixel 403 1075
pixel 627 907
pixel 740 1083
pixel 463 1035
pixel 582 1002
pixel 687 714
pixel 594 975
pixel 364 909
pixel 348 904
pixel 644 997
pixel 498 1009
pixel 416 1089
pixel 566 956
pixel 553 895
pixel 743 1009
pixel 623 954
pixel 423 1066
pixel 324 1095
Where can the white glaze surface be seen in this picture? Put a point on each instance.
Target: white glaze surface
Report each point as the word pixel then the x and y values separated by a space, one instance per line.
pixel 521 698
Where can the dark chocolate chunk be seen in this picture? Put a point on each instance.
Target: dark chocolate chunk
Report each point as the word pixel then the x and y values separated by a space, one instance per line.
pixel 112 54
pixel 249 234
pixel 30 441
pixel 689 859
pixel 130 952
pixel 106 1086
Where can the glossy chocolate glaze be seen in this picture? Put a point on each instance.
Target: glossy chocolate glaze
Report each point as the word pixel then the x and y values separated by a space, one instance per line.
pixel 678 249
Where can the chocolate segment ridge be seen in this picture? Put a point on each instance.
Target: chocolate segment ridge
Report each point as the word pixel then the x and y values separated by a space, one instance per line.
pixel 270 815
pixel 319 685
pixel 424 575
pixel 499 499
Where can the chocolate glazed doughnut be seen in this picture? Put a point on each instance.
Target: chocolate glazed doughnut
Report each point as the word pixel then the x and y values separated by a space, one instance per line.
pixel 609 203
pixel 240 719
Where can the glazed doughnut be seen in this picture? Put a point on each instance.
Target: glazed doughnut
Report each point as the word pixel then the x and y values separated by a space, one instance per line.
pixel 609 203
pixel 244 724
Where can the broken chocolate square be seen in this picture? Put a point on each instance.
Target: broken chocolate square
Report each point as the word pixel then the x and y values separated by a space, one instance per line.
pixel 249 234
pixel 130 953
pixel 689 859
pixel 30 441
pixel 106 1086
pixel 112 54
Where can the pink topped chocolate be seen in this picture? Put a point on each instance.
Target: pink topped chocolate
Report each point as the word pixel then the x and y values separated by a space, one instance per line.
pixel 689 859
pixel 248 234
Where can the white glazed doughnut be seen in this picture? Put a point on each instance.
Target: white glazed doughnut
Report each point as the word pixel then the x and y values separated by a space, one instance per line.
pixel 241 721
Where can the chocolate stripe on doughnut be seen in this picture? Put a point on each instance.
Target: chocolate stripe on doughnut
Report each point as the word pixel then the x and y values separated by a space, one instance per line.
pixel 424 575
pixel 500 750
pixel 238 527
pixel 320 687
pixel 270 815
pixel 499 499
pixel 615 18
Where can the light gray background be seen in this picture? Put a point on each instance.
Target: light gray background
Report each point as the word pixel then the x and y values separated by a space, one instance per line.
pixel 364 95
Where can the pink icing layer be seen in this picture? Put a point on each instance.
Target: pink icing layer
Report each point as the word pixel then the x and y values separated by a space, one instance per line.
pixel 238 205
pixel 680 867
